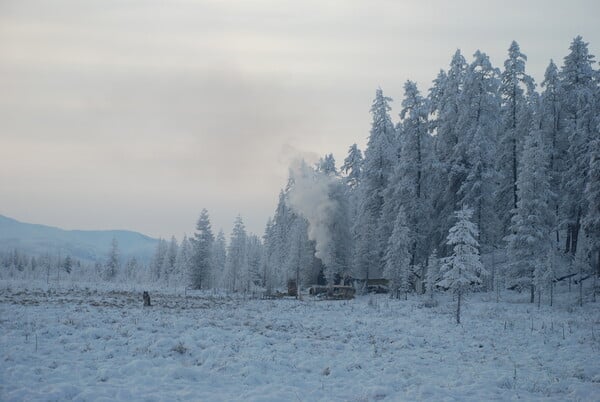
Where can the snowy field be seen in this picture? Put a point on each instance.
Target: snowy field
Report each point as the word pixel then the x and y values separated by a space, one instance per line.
pixel 83 344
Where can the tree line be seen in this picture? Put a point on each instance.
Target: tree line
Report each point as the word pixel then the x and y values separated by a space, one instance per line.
pixel 485 146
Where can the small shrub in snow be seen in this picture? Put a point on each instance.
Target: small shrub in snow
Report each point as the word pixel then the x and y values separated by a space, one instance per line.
pixel 179 348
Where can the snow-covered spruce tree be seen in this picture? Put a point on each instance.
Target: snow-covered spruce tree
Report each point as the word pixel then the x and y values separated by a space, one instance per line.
pixel 533 223
pixel 254 255
pixel 351 172
pixel 279 244
pixel 445 105
pixel 398 256
pixel 352 167
pixel 591 222
pixel 269 251
pixel 300 253
pixel 201 252
pixel 236 266
pixel 554 139
pixel 183 262
pixel 409 183
pixel 380 157
pixel 168 263
pixel 578 122
pixel 516 121
pixel 219 256
pixel 113 264
pixel 326 165
pixel 463 269
pixel 473 165
pixel 156 263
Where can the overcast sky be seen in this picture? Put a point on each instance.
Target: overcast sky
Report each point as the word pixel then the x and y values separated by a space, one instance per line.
pixel 137 114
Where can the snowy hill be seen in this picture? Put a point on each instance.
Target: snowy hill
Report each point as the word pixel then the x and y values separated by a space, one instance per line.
pixel 90 245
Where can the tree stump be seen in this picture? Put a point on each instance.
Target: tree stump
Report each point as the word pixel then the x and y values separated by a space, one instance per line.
pixel 146 297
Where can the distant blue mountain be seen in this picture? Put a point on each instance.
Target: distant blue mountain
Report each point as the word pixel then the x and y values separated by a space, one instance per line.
pixel 89 245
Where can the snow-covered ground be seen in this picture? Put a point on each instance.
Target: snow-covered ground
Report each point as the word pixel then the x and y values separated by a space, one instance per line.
pixel 83 344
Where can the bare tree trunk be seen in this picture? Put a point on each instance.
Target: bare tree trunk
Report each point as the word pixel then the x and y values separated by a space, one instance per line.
pixel 532 293
pixel 458 307
pixel 551 293
pixel 580 284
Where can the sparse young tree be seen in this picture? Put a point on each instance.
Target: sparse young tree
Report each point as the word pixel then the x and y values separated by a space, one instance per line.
pixel 463 269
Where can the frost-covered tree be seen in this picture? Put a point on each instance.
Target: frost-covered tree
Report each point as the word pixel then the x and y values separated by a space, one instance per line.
pixel 591 222
pixel 554 138
pixel 445 106
pixel 236 265
pixel 254 256
pixel 156 264
pixel 516 86
pixel 113 265
pixel 132 269
pixel 352 167
pixel 409 184
pixel 219 257
pixel 326 165
pixel 463 269
pixel 472 163
pixel 397 268
pixel 380 157
pixel 300 253
pixel 202 243
pixel 269 253
pixel 578 87
pixel 532 225
pixel 168 262
pixel 351 172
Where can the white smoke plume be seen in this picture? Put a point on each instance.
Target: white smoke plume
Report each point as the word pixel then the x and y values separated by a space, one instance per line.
pixel 309 197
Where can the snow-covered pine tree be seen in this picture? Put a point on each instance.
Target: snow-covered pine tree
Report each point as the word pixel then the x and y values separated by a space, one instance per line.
pixel 473 163
pixel 268 266
pixel 156 264
pixel 254 256
pixel 463 269
pixel 113 264
pixel 516 117
pixel 300 254
pixel 219 256
pixel 236 266
pixel 326 165
pixel 351 172
pixel 183 262
pixel 445 102
pixel 352 167
pixel 380 157
pixel 554 139
pixel 578 111
pixel 409 183
pixel 591 222
pixel 168 263
pixel 533 223
pixel 398 256
pixel 202 248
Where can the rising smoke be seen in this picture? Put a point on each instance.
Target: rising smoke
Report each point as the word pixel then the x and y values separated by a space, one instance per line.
pixel 310 197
